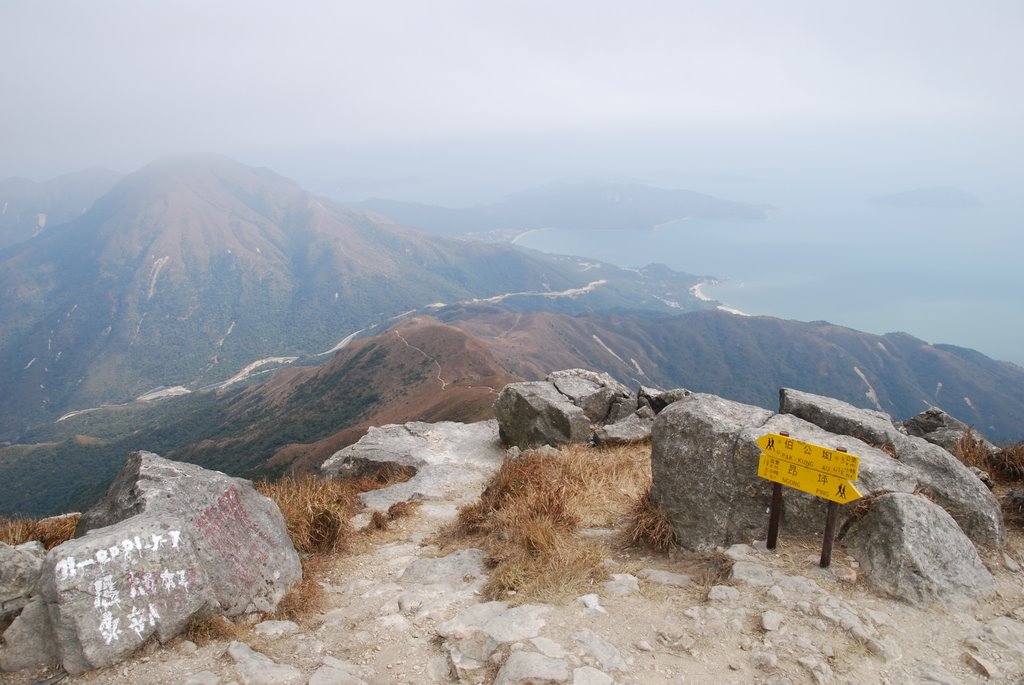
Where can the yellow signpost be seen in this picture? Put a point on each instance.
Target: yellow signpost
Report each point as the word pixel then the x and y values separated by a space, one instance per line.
pixel 820 471
pixel 809 468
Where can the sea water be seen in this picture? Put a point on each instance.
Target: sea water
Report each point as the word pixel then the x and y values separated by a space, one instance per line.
pixel 946 275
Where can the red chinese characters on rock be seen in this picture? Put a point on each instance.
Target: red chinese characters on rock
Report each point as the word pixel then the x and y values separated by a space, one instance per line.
pixel 227 527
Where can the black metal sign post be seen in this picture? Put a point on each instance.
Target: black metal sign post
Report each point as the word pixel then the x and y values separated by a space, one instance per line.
pixel 774 514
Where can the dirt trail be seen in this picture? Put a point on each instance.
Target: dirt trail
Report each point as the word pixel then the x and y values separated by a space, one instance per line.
pixel 772 618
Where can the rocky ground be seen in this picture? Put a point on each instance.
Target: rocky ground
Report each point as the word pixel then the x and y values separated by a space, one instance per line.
pixel 398 611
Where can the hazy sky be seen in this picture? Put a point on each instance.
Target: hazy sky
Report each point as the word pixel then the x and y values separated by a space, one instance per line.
pixel 351 89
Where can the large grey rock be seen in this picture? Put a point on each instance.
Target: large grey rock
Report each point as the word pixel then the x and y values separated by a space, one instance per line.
pixel 445 456
pixel 597 394
pixel 938 473
pixel 704 464
pixel 535 414
pixel 629 430
pixel 914 550
pixel 29 642
pixel 108 592
pixel 873 427
pixel 695 477
pixel 168 542
pixel 19 573
pixel 938 427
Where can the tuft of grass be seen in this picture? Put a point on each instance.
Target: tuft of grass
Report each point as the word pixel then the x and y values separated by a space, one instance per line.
pixel 316 512
pixel 529 515
pixel 207 629
pixel 651 525
pixel 307 597
pixel 971 451
pixel 382 521
pixel 50 531
pixel 1008 463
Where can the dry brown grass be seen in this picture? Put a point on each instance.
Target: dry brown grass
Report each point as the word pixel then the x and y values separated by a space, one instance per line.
pixel 971 451
pixel 529 516
pixel 307 597
pixel 380 520
pixel 651 525
pixel 1008 463
pixel 318 512
pixel 210 628
pixel 50 531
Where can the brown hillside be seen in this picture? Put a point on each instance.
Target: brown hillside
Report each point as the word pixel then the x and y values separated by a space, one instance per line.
pixel 421 370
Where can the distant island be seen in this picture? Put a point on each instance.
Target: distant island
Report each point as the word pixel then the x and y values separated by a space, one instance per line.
pixel 586 206
pixel 935 197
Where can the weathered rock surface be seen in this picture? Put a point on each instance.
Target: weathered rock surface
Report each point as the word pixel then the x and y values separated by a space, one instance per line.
pixel 536 413
pixel 939 473
pixel 938 427
pixel 255 668
pixel 695 477
pixel 472 636
pixel 530 668
pixel 29 640
pixel 602 398
pixel 631 429
pixel 659 399
pixel 168 542
pixel 445 456
pixel 914 550
pixel 19 572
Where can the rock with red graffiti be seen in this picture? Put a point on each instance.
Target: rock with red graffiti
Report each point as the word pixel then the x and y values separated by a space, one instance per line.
pixel 169 541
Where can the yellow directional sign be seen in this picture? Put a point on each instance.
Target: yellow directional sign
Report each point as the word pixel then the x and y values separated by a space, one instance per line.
pixel 815 457
pixel 806 479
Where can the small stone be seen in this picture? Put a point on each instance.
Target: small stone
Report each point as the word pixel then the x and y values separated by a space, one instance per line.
pixel 602 650
pixel 887 650
pixel 588 675
pixel 749 573
pixel 776 593
pixel 692 612
pixel 660 577
pixel 739 551
pixel 981 665
pixel 529 667
pixel 258 669
pixel 276 628
pixel 764 661
pixel 328 675
pixel 819 669
pixel 188 647
pixel 723 593
pixel 591 604
pixel 622 584
pixel 548 647
pixel 1010 563
pixel 771 620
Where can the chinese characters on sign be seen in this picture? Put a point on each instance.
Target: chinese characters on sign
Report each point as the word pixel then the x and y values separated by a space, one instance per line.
pixel 810 468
